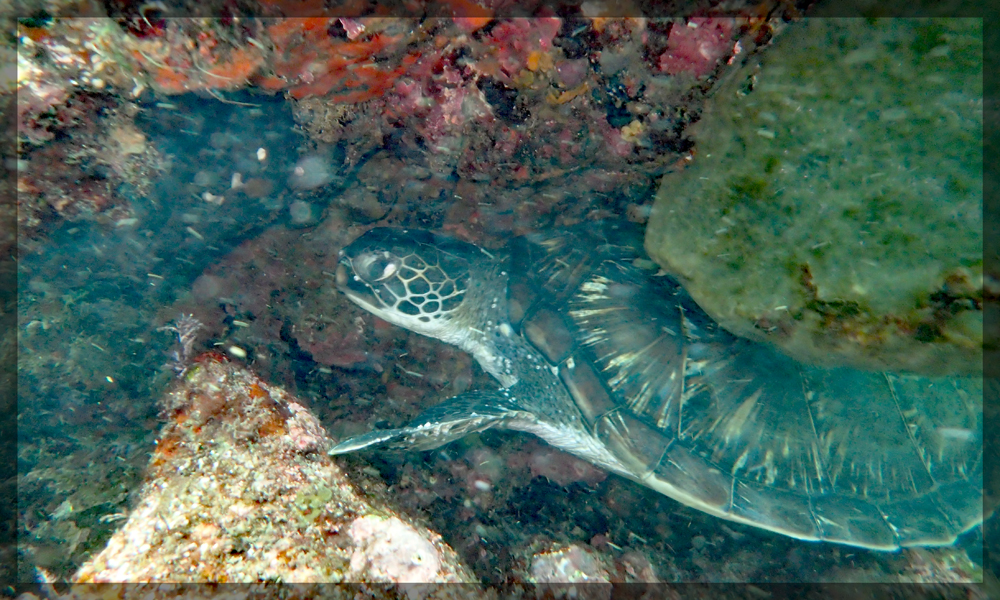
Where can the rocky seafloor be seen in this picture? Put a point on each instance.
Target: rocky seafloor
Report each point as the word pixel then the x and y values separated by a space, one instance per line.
pixel 215 168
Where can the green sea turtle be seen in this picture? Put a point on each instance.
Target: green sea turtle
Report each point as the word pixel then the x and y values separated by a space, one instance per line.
pixel 618 366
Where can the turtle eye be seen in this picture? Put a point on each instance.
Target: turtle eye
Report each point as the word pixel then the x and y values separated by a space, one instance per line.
pixel 388 270
pixel 376 266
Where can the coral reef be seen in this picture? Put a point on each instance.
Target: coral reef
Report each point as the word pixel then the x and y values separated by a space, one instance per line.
pixel 454 95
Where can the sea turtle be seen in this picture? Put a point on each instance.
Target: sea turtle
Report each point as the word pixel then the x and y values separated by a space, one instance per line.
pixel 617 365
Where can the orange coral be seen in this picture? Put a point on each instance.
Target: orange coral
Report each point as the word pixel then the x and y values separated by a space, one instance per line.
pixel 234 72
pixel 37 34
pixel 298 8
pixel 283 29
pixel 309 62
pixel 169 80
pixel 469 16
pixel 175 74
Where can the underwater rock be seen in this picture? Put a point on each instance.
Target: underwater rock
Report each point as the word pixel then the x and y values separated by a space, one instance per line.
pixel 562 572
pixel 834 203
pixel 563 468
pixel 240 488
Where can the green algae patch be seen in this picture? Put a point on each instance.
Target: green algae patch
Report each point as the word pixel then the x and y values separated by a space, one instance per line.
pixel 834 203
pixel 312 502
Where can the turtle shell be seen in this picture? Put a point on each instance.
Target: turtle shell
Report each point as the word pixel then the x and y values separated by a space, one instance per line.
pixel 735 428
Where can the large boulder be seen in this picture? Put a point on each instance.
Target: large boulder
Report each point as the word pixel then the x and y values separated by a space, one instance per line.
pixel 834 203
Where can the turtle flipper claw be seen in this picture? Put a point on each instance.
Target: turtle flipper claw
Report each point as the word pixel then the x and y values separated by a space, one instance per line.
pixel 372 438
pixel 454 418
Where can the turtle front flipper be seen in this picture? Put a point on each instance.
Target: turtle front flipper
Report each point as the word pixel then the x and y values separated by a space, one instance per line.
pixel 454 418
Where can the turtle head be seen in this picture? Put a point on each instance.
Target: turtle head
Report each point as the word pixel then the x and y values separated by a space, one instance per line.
pixel 411 278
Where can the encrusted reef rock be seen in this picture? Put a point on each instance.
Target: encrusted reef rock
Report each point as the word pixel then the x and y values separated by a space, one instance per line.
pixel 834 203
pixel 240 489
pixel 571 572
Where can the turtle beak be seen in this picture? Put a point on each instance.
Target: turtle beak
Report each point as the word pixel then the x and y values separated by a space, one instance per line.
pixel 355 289
pixel 341 276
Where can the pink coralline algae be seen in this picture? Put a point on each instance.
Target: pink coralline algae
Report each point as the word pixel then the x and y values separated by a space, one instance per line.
pixel 517 39
pixel 390 549
pixel 557 466
pixel 697 47
pixel 338 344
pixel 571 566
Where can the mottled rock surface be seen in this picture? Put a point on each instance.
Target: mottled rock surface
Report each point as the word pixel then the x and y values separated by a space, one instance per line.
pixel 574 571
pixel 834 203
pixel 240 489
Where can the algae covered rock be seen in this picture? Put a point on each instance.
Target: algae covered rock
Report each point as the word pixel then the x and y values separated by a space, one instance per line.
pixel 834 203
pixel 240 489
